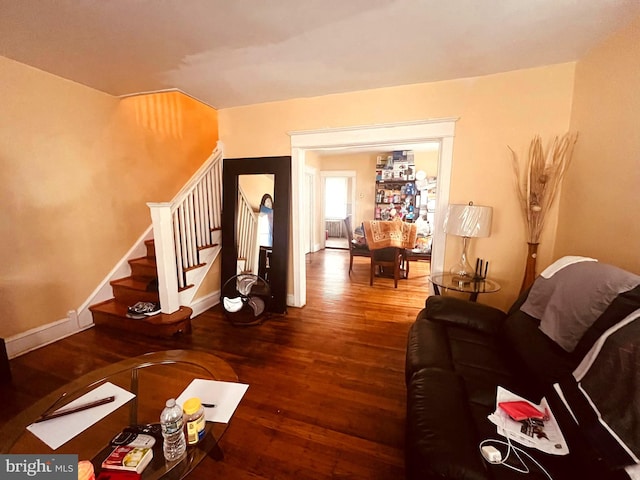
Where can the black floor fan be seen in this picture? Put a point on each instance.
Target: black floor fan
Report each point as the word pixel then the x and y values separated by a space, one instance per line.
pixel 246 299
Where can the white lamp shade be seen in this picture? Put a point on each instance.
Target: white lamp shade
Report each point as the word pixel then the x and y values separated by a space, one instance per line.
pixel 468 220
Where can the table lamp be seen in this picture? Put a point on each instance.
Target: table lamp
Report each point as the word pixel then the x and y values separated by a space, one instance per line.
pixel 467 221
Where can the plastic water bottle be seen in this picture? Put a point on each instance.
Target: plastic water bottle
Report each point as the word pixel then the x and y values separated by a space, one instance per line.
pixel 174 444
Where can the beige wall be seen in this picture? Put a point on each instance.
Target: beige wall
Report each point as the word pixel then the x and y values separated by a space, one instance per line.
pixel 427 161
pixel 599 214
pixel 78 167
pixel 494 111
pixel 255 186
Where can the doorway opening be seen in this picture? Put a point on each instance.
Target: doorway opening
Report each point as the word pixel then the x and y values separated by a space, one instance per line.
pixel 338 201
pixel 399 136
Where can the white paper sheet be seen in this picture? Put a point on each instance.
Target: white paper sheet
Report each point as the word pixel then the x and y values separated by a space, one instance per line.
pixel 554 444
pixel 224 395
pixel 58 431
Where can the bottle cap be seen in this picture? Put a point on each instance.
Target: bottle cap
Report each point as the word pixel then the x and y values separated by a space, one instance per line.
pixel 192 405
pixel 171 402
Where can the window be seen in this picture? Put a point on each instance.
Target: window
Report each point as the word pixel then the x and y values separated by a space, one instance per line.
pixel 335 197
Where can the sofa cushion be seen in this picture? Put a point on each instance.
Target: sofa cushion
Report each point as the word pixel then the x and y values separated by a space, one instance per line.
pixel 475 356
pixel 540 361
pixel 473 315
pixel 427 346
pixel 441 436
pixel 572 299
pixel 472 353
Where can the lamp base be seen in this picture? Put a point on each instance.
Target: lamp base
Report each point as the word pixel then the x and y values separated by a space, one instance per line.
pixel 462 268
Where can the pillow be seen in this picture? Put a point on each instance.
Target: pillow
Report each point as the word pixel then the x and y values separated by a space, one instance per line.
pixel 571 300
pixel 564 262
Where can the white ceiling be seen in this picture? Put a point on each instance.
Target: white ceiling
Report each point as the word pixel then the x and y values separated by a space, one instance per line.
pixel 236 52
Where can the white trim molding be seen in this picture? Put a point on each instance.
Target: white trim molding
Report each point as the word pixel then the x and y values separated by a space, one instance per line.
pixel 397 136
pixel 43 335
pixel 202 304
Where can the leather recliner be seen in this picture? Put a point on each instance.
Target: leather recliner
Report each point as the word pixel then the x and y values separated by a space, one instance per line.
pixel 458 353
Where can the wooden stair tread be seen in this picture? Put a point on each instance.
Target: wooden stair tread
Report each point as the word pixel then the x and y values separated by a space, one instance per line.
pixel 113 315
pixel 112 307
pixel 132 283
pixel 146 261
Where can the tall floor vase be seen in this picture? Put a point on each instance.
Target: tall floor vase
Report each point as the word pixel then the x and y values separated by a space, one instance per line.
pixel 530 268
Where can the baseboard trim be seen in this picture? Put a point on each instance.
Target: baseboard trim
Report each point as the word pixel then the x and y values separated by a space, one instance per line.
pixel 122 269
pixel 290 300
pixel 202 304
pixel 35 338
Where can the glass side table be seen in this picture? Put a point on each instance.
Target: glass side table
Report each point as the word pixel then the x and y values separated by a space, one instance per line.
pixel 450 281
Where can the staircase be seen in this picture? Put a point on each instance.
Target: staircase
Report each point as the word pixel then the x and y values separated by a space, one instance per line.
pixel 247 235
pixel 140 286
pixel 186 241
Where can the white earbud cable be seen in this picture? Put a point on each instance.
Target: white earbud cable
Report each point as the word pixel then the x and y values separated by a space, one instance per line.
pixel 517 451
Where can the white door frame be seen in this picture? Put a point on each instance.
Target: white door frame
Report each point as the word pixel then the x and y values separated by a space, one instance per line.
pixel 309 224
pixel 399 136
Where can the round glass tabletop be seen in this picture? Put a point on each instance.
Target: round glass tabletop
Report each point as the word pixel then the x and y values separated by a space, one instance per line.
pixel 152 378
pixel 450 281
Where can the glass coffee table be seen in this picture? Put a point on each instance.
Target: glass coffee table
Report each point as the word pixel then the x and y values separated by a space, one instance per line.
pixel 449 281
pixel 153 378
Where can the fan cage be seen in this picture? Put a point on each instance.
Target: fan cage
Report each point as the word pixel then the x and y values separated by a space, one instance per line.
pixel 246 299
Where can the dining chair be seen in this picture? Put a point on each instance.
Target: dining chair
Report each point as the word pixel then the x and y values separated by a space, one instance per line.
pixel 384 259
pixel 355 249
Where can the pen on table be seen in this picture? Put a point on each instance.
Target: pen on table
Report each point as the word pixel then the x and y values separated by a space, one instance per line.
pixel 52 406
pixel 74 409
pixel 209 405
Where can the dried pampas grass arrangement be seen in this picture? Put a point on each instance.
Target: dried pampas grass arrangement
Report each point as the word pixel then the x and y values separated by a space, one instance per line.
pixel 538 184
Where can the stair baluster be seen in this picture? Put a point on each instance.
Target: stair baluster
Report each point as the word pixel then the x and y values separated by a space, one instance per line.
pixel 192 217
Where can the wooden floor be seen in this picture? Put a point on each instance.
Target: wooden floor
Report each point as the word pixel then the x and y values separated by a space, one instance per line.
pixel 326 396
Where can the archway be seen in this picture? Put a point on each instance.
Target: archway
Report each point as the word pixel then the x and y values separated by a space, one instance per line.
pixel 399 136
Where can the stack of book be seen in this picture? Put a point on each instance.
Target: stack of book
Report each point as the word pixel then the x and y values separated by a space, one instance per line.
pixel 126 459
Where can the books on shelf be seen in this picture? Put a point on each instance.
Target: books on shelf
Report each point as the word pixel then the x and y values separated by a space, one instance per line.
pixel 128 458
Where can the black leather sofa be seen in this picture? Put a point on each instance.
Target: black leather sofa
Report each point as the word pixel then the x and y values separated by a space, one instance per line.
pixel 458 352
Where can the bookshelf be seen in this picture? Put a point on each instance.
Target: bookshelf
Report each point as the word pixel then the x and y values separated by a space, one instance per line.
pixel 396 193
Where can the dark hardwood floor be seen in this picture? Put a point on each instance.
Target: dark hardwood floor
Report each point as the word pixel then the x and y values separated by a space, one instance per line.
pixel 326 396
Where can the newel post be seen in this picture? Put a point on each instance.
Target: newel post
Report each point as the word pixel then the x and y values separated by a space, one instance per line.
pixel 162 221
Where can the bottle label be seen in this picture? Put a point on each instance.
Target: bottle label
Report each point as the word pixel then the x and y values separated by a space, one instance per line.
pixel 195 430
pixel 172 427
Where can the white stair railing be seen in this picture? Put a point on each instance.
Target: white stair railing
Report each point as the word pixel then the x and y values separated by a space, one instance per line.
pixel 184 226
pixel 247 233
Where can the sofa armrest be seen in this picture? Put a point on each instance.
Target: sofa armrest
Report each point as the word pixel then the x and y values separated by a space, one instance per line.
pixel 464 313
